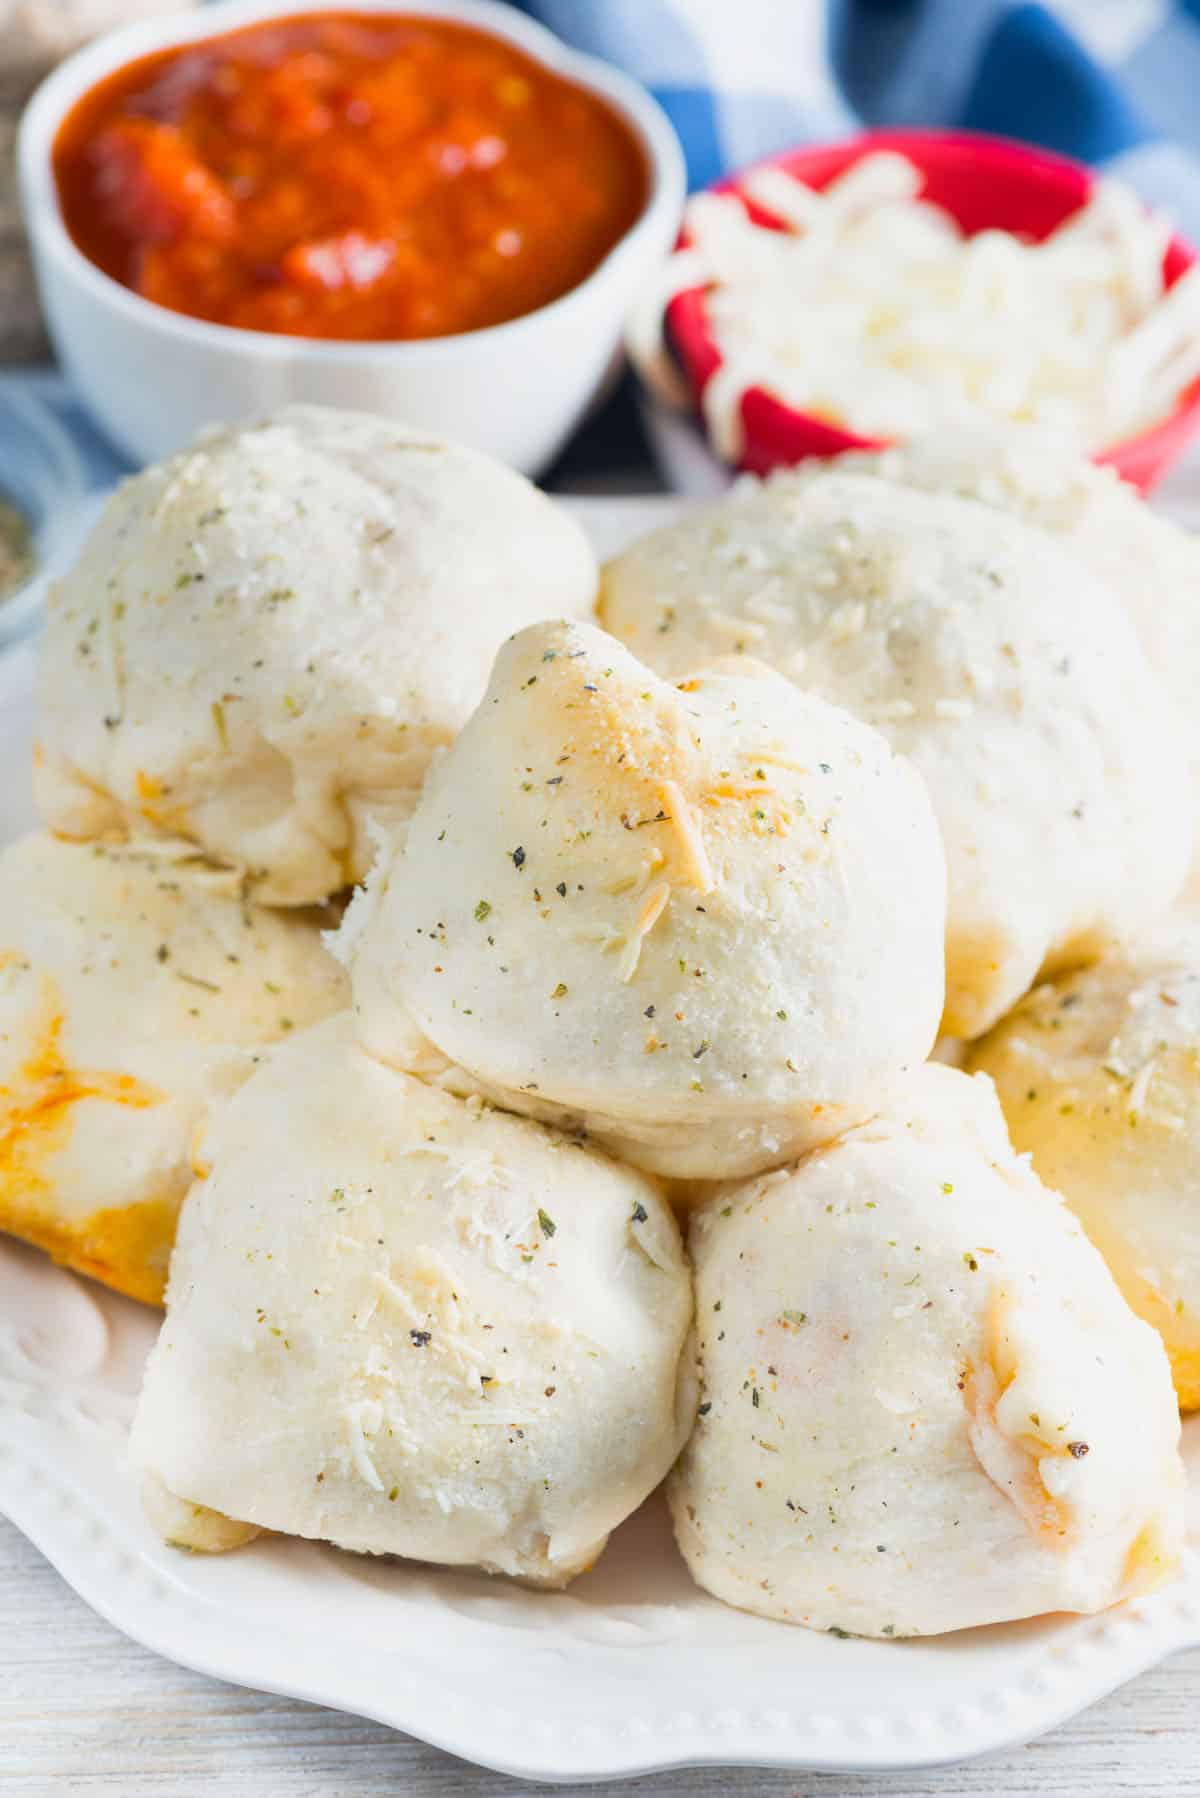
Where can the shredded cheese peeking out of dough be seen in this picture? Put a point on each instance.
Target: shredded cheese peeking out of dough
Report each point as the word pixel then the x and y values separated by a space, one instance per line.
pixel 775 758
pixel 362 1418
pixel 687 832
pixel 653 906
pixel 638 882
pixel 740 630
pixel 728 789
pixel 1140 1087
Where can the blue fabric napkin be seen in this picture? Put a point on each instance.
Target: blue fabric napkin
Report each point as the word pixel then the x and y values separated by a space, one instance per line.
pixel 1111 82
pixel 102 463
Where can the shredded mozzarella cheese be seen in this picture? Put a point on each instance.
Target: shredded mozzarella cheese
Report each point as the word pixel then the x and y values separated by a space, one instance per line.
pixel 871 310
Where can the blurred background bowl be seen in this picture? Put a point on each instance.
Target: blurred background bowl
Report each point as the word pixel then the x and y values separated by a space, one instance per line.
pixel 153 377
pixel 42 475
pixel 983 183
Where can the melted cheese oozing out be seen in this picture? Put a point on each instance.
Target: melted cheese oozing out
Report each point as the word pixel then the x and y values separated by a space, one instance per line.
pixel 871 310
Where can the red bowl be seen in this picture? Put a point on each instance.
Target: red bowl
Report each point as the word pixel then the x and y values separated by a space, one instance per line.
pixel 982 182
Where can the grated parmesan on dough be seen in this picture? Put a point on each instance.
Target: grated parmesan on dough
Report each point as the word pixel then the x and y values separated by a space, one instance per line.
pixel 691 843
pixel 653 907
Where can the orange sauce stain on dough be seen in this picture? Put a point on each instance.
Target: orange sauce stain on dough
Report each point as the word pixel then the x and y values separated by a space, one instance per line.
pixel 127 1248
pixel 36 1107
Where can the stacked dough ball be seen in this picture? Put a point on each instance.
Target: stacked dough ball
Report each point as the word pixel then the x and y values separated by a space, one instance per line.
pixel 987 652
pixel 671 914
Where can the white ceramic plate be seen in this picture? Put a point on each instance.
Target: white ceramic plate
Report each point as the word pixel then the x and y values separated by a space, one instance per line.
pixel 632 1670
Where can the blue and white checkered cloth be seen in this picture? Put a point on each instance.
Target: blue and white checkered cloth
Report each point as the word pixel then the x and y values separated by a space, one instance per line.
pixel 1115 83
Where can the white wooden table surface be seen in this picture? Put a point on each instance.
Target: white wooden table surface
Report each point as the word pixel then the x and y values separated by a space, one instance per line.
pixel 84 1711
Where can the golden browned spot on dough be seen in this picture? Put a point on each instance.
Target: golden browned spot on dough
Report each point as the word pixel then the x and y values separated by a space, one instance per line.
pixel 1185 1371
pixel 1179 1326
pixel 163 816
pixel 1102 1115
pixel 1149 1563
pixel 1179 1330
pixel 976 957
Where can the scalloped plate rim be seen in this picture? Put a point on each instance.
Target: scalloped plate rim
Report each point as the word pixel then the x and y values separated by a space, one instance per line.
pixel 798 1748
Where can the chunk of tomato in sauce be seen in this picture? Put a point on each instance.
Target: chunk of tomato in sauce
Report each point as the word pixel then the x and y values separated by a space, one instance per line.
pixel 154 188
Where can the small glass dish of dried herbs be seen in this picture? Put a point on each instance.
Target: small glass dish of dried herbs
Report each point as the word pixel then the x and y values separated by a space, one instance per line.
pixel 43 494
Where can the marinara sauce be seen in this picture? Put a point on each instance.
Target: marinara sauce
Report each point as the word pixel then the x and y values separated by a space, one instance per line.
pixel 347 175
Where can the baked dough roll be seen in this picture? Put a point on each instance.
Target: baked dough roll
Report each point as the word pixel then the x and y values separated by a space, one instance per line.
pixel 136 994
pixel 1099 1077
pixel 444 1333
pixel 701 923
pixel 925 1405
pixel 986 652
pixel 1147 559
pixel 267 637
